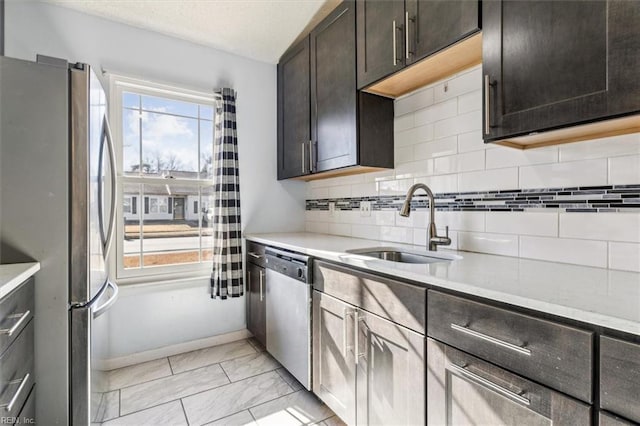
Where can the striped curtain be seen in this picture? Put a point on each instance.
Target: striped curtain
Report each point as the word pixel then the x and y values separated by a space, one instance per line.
pixel 226 277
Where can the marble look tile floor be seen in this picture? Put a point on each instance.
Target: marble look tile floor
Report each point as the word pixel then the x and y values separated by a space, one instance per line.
pixel 233 384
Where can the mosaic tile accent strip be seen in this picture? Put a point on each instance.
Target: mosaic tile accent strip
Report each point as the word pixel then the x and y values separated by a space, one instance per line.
pixel 594 199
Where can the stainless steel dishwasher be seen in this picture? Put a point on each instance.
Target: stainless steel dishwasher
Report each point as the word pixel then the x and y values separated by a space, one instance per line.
pixel 288 295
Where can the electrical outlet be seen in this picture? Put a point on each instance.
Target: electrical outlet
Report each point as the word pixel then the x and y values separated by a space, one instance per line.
pixel 365 208
pixel 332 209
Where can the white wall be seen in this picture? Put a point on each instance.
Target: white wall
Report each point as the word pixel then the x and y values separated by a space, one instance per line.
pixel 171 313
pixel 438 141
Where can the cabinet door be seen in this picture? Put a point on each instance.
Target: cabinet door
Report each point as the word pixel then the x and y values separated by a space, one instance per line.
pixel 390 373
pixel 550 64
pixel 433 25
pixel 464 390
pixel 256 309
pixel 334 375
pixel 293 112
pixel 333 90
pixel 380 39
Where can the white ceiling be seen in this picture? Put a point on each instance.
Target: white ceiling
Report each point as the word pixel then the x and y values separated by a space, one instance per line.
pixel 258 29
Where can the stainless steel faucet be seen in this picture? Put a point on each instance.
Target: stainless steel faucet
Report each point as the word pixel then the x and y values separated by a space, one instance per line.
pixel 433 239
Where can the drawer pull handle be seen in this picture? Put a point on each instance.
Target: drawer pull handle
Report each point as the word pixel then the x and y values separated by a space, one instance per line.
pixel 346 313
pixel 8 407
pixel 254 255
pixel 22 318
pixel 488 384
pixel 482 336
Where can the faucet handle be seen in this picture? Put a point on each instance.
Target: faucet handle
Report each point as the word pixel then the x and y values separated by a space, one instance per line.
pixel 446 231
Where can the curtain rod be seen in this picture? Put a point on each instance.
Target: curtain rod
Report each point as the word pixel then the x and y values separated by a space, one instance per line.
pixel 213 93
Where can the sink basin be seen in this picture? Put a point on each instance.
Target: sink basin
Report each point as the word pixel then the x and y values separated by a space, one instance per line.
pixel 393 254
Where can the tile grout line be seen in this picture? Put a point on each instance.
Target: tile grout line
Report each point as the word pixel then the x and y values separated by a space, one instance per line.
pixel 207 390
pixel 180 372
pixel 170 366
pixel 184 412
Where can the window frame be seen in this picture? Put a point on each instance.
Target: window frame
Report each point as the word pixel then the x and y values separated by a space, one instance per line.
pixel 118 85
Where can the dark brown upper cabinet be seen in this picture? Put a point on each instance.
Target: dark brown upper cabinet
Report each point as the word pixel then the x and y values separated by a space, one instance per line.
pixel 331 129
pixel 402 35
pixel 554 64
pixel 294 100
pixel 433 25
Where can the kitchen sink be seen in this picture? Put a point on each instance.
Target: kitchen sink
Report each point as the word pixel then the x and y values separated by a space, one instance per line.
pixel 393 254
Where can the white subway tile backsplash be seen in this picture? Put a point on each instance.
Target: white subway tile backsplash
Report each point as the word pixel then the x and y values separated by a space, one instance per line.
pixel 394 187
pixel 436 148
pixel 470 101
pixel 601 148
pixel 501 244
pixel 624 256
pixel 367 189
pixel 414 169
pixel 454 87
pixel 413 102
pixel 317 227
pixel 440 184
pixel 459 124
pixel 466 162
pixel 509 157
pixel 461 221
pixel 396 234
pixel 437 112
pixel 316 216
pixel 403 122
pixel 417 219
pixel 342 229
pixel 438 141
pixel 580 252
pixel 624 170
pixel 342 191
pixel 601 226
pixel 413 136
pixel 523 223
pixel 317 193
pixel 472 141
pixel 369 232
pixel 564 175
pixel 488 180
pixel 403 154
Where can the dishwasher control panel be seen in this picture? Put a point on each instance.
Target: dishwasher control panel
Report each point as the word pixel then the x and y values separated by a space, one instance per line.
pixel 293 265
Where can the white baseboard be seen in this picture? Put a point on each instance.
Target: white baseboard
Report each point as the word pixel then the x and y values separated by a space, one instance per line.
pixel 150 355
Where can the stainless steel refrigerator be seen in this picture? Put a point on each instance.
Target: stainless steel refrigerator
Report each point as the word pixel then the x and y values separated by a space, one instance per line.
pixel 57 183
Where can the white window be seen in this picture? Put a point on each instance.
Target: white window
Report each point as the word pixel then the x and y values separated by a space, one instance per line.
pixel 164 140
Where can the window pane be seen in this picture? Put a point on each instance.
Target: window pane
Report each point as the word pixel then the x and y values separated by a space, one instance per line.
pixel 206 112
pixel 131 255
pixel 131 142
pixel 130 100
pixel 207 223
pixel 152 103
pixel 170 238
pixel 170 145
pixel 206 149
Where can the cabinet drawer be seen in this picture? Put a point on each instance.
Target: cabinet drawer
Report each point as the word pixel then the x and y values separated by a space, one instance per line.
pixel 463 389
pixel 620 377
pixel 550 353
pixel 255 253
pixel 401 303
pixel 16 309
pixel 17 373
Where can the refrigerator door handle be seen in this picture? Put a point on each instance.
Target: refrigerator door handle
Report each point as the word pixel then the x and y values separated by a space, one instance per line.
pixel 101 309
pixel 112 168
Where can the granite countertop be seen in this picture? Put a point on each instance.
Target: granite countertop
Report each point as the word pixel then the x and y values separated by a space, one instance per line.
pixel 14 274
pixel 603 297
